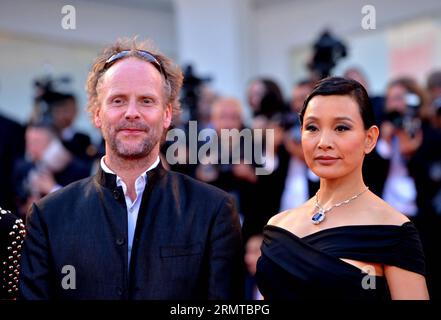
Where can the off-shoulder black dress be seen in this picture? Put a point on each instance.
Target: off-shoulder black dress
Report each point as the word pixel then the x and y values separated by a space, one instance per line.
pixel 311 267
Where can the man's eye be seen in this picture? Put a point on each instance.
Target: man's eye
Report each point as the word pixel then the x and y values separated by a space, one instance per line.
pixel 147 101
pixel 117 101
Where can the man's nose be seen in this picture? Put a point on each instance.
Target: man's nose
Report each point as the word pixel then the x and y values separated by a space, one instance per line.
pixel 132 111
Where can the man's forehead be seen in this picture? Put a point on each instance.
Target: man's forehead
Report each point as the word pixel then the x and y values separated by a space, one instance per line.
pixel 131 67
pixel 131 73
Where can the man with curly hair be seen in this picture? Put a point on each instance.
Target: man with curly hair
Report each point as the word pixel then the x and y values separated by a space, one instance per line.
pixel 134 230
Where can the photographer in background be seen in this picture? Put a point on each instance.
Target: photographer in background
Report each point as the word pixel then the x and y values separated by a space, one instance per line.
pixel 405 169
pixel 426 168
pixel 63 112
pixel 46 167
pixel 401 136
pixel 56 107
pixel 55 154
pixel 300 183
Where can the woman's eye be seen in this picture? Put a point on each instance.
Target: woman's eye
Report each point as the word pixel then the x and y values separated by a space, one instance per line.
pixel 311 128
pixel 342 128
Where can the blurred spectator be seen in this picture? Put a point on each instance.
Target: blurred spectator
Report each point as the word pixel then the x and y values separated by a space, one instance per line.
pixel 407 167
pixel 204 100
pixel 11 149
pixel 356 74
pixel 255 92
pixel 434 89
pixel 434 85
pixel 300 182
pixel 377 101
pixel 47 166
pixel 425 167
pixel 291 122
pixel 299 93
pixel 207 98
pixel 268 190
pixel 236 176
pixel 401 135
pixel 64 112
pixel 252 254
pixel 226 113
pixel 437 116
pixel 265 99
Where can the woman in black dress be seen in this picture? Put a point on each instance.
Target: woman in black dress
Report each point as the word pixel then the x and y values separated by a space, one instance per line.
pixel 12 232
pixel 345 242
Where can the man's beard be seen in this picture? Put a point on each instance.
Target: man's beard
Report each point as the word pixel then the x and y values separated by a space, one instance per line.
pixel 129 150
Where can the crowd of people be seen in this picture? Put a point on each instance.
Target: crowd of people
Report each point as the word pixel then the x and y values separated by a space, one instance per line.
pixel 403 168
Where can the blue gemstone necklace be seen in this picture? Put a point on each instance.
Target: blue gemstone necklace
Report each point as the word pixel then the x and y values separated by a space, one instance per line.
pixel 320 215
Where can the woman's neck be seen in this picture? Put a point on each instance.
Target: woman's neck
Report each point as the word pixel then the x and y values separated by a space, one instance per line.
pixel 333 191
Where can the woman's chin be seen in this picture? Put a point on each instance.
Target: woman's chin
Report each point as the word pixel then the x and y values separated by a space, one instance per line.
pixel 327 173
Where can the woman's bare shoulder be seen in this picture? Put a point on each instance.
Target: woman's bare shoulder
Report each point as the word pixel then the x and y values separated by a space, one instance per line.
pixel 289 216
pixel 276 218
pixel 383 213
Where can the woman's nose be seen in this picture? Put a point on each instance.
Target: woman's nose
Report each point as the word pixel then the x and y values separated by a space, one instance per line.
pixel 325 141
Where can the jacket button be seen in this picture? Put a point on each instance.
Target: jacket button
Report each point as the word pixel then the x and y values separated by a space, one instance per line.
pixel 116 194
pixel 120 241
pixel 119 291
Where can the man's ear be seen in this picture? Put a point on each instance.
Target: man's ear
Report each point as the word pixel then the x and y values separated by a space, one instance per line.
pixel 97 118
pixel 168 114
pixel 371 139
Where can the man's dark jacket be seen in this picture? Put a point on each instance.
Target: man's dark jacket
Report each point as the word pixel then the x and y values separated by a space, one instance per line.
pixel 187 242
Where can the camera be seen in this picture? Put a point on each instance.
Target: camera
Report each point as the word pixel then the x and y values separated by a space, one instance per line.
pixel 327 51
pixel 191 91
pixel 408 121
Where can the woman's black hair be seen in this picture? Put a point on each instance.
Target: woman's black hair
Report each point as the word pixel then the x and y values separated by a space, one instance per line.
pixel 343 87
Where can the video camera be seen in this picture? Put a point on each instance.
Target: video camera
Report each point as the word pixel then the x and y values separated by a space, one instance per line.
pixel 191 91
pixel 48 93
pixel 327 51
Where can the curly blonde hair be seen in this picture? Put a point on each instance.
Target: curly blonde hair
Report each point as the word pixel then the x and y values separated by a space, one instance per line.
pixel 172 80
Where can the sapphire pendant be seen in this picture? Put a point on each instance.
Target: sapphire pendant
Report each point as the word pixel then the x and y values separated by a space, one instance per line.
pixel 318 217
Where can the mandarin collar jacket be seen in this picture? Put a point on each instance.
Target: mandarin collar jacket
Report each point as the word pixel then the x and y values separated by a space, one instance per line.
pixel 187 242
